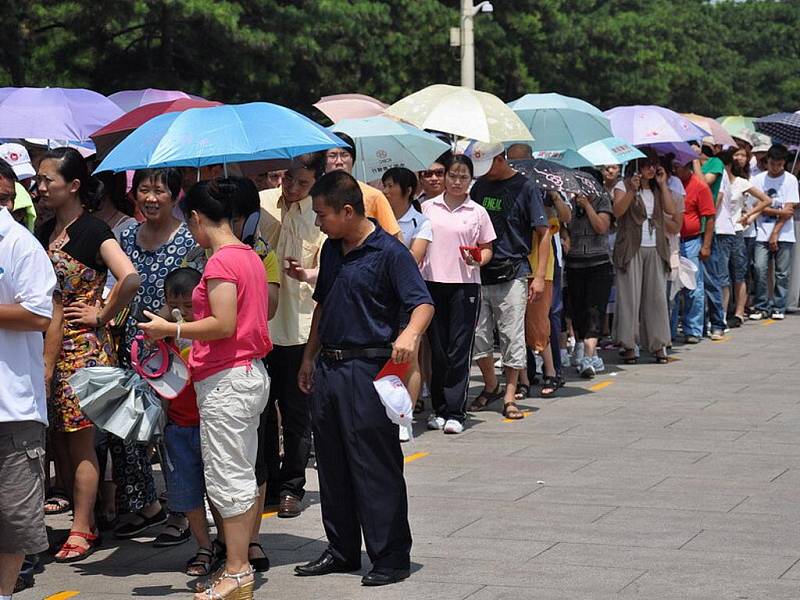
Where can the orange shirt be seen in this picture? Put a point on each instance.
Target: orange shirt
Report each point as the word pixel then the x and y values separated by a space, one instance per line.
pixel 377 206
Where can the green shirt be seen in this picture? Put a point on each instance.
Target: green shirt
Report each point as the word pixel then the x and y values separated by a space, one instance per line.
pixel 715 166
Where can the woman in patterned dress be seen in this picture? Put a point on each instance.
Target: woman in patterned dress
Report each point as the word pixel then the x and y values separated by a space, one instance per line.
pixel 156 247
pixel 83 250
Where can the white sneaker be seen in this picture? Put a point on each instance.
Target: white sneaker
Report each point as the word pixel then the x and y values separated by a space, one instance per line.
pixel 435 422
pixel 756 315
pixel 579 353
pixel 598 364
pixel 778 316
pixel 405 434
pixel 586 369
pixel 717 335
pixel 453 426
pixel 565 357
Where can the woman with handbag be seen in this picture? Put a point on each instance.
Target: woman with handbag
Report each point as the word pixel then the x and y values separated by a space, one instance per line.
pixel 230 337
pixel 83 251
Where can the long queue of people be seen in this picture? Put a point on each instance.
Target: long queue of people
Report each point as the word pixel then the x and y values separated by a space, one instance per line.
pixel 288 300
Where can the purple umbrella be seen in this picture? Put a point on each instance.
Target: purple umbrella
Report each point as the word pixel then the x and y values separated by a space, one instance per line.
pixel 682 150
pixel 54 113
pixel 127 100
pixel 646 125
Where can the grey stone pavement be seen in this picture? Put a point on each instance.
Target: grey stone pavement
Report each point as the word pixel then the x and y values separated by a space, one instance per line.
pixel 678 481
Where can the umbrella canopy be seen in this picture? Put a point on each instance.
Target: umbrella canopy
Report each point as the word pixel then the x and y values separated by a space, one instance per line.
pixel 682 150
pixel 642 125
pixel 608 151
pixel 350 106
pixel 784 126
pixel 561 122
pixel 127 100
pixel 116 131
pixel 54 113
pixel 220 134
pixel 382 143
pixel 738 126
pixel 548 175
pixel 718 133
pixel 462 112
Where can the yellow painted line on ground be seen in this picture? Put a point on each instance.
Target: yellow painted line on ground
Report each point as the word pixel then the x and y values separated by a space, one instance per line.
pixel 723 340
pixel 524 412
pixel 600 386
pixel 62 595
pixel 416 456
pixel 673 359
pixel 267 515
pixel 768 322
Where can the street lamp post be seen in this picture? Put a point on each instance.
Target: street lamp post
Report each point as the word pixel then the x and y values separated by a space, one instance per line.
pixel 468 12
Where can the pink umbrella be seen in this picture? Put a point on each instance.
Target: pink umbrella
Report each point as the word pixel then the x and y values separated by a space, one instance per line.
pixel 350 106
pixel 718 133
pixel 647 125
pixel 127 100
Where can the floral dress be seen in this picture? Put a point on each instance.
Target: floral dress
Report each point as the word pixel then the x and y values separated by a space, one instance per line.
pixel 81 278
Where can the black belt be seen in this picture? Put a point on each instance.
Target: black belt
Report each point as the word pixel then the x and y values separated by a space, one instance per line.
pixel 691 237
pixel 350 353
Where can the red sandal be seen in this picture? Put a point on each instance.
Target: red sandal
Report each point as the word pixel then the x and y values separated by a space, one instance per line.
pixel 94 542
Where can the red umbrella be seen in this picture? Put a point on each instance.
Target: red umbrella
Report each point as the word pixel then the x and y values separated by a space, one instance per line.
pixel 112 134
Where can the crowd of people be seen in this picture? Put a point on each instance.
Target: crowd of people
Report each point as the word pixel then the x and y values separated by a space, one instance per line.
pixel 287 292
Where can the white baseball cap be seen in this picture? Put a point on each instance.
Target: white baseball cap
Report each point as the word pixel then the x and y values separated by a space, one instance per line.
pixel 395 399
pixel 482 155
pixel 17 156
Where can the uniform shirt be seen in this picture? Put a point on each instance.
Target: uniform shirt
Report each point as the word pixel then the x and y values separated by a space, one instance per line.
pixel 415 226
pixel 295 233
pixel 698 204
pixel 365 292
pixel 27 278
pixel 515 206
pixel 783 190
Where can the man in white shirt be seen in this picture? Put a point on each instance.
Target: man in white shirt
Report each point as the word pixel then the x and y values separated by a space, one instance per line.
pixel 775 237
pixel 27 281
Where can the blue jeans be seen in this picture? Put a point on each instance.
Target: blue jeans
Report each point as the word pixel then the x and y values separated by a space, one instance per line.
pixel 714 273
pixel 783 262
pixel 693 300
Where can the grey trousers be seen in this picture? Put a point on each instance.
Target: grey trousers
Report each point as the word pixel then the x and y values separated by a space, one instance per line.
pixel 642 315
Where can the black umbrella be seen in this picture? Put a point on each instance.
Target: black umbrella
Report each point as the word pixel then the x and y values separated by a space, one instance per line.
pixel 548 175
pixel 784 126
pixel 590 187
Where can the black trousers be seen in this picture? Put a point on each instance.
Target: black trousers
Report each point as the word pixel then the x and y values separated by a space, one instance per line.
pixel 589 289
pixel 451 335
pixel 287 476
pixel 360 466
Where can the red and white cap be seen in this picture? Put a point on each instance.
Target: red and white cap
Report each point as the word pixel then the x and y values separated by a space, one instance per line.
pixel 17 156
pixel 393 394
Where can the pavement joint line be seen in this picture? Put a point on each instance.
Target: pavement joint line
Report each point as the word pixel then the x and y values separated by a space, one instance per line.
pixel 538 554
pixel 694 462
pixel 600 386
pixel 605 514
pixel 780 474
pixel 463 527
pixel 738 504
pixel 69 594
pixel 690 539
pixel 774 416
pixel 789 569
pixel 655 485
pixel 632 581
pixel 416 456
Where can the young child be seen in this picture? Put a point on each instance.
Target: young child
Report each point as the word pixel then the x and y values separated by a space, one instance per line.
pixel 184 463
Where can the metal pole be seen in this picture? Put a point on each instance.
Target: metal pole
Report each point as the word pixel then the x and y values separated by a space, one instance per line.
pixel 467 45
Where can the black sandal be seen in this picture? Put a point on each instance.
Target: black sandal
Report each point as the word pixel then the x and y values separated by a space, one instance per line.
pixel 419 407
pixel 550 385
pixel 629 357
pixel 485 398
pixel 523 391
pixel 200 567
pixel 57 502
pixel 260 565
pixel 661 359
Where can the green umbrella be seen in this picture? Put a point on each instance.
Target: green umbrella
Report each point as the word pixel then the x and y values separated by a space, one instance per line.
pixel 738 126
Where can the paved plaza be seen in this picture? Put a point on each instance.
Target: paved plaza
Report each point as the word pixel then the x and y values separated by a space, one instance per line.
pixel 677 481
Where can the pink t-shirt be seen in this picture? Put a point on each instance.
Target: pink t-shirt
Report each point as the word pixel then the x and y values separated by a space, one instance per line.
pixel 241 266
pixel 468 225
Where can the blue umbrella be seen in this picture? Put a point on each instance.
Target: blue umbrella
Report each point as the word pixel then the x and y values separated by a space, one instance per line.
pixel 560 122
pixel 219 135
pixel 382 143
pixel 783 126
pixel 608 151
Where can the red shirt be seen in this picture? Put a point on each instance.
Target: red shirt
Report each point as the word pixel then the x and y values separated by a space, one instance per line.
pixel 183 408
pixel 698 203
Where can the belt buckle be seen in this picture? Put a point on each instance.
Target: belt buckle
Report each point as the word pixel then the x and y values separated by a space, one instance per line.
pixel 338 354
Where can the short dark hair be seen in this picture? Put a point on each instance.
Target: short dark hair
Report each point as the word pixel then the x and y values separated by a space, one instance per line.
pixel 212 198
pixel 402 177
pixel 313 161
pixel 351 145
pixel 778 152
pixel 460 159
pixel 113 186
pixel 7 171
pixel 182 281
pixel 244 199
pixel 339 188
pixel 444 157
pixel 170 177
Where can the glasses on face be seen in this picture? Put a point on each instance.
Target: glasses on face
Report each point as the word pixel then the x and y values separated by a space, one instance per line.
pixel 334 156
pixel 459 177
pixel 432 173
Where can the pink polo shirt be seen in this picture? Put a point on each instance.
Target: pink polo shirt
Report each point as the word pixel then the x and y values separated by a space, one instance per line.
pixel 468 225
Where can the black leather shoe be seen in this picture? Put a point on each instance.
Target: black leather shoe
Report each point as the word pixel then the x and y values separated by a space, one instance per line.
pixel 324 565
pixel 380 576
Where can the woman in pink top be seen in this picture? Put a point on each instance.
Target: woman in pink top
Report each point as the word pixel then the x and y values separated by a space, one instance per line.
pixel 461 228
pixel 230 337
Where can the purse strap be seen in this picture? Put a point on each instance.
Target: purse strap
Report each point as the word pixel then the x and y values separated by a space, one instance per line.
pixel 160 351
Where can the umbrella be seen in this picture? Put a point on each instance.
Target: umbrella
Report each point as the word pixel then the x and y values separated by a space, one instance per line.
pixel 462 112
pixel 718 133
pixel 644 125
pixel 682 150
pixel 589 185
pixel 127 100
pixel 349 106
pixel 116 131
pixel 548 175
pixel 382 143
pixel 561 122
pixel 608 151
pixel 738 126
pixel 784 126
pixel 220 134
pixel 54 113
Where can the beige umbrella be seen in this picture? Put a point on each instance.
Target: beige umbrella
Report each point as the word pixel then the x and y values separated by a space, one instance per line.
pixel 350 106
pixel 718 133
pixel 462 112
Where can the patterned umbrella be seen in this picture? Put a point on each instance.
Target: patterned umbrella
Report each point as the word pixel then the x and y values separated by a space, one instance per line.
pixel 644 125
pixel 549 175
pixel 783 126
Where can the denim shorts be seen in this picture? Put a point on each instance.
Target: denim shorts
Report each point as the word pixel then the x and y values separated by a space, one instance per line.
pixel 731 258
pixel 186 486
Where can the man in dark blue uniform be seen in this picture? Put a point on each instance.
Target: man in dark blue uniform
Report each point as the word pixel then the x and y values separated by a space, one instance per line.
pixel 368 287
